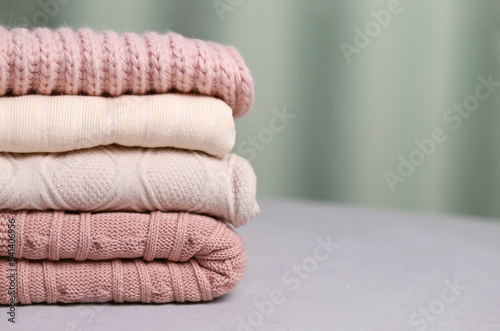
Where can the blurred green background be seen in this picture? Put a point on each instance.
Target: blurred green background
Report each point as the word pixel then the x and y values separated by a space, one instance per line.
pixel 360 82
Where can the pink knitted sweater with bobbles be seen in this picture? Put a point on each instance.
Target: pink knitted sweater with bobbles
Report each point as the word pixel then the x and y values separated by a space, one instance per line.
pixel 71 62
pixel 122 257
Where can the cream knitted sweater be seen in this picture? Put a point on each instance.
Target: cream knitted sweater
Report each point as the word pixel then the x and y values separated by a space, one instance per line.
pixel 39 123
pixel 116 178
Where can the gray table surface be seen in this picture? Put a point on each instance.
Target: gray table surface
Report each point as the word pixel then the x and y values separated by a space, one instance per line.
pixel 379 271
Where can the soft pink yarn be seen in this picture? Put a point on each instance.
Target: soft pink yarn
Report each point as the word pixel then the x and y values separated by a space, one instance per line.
pixel 86 62
pixel 188 257
pixel 176 236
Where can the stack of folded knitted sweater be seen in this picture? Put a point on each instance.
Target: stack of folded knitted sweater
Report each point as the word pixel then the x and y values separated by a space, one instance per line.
pixel 115 178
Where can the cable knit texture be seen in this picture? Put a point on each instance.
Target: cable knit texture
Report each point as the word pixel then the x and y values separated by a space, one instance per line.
pixel 39 123
pixel 127 280
pixel 117 178
pixel 196 258
pixel 174 236
pixel 69 62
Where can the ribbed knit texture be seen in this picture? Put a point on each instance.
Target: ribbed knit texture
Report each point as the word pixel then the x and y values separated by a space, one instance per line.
pixel 39 123
pixel 69 62
pixel 117 178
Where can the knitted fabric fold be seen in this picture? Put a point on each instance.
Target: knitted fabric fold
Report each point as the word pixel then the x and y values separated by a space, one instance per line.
pixel 39 123
pixel 117 178
pixel 188 257
pixel 56 235
pixel 73 62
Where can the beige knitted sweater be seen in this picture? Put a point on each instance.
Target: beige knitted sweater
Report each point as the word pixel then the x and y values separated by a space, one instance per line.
pixel 40 123
pixel 117 178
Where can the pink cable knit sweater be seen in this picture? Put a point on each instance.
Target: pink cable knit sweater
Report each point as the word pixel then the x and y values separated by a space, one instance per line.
pixel 69 62
pixel 192 257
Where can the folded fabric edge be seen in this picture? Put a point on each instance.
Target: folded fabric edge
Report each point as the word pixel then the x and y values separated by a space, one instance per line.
pixel 244 190
pixel 117 280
